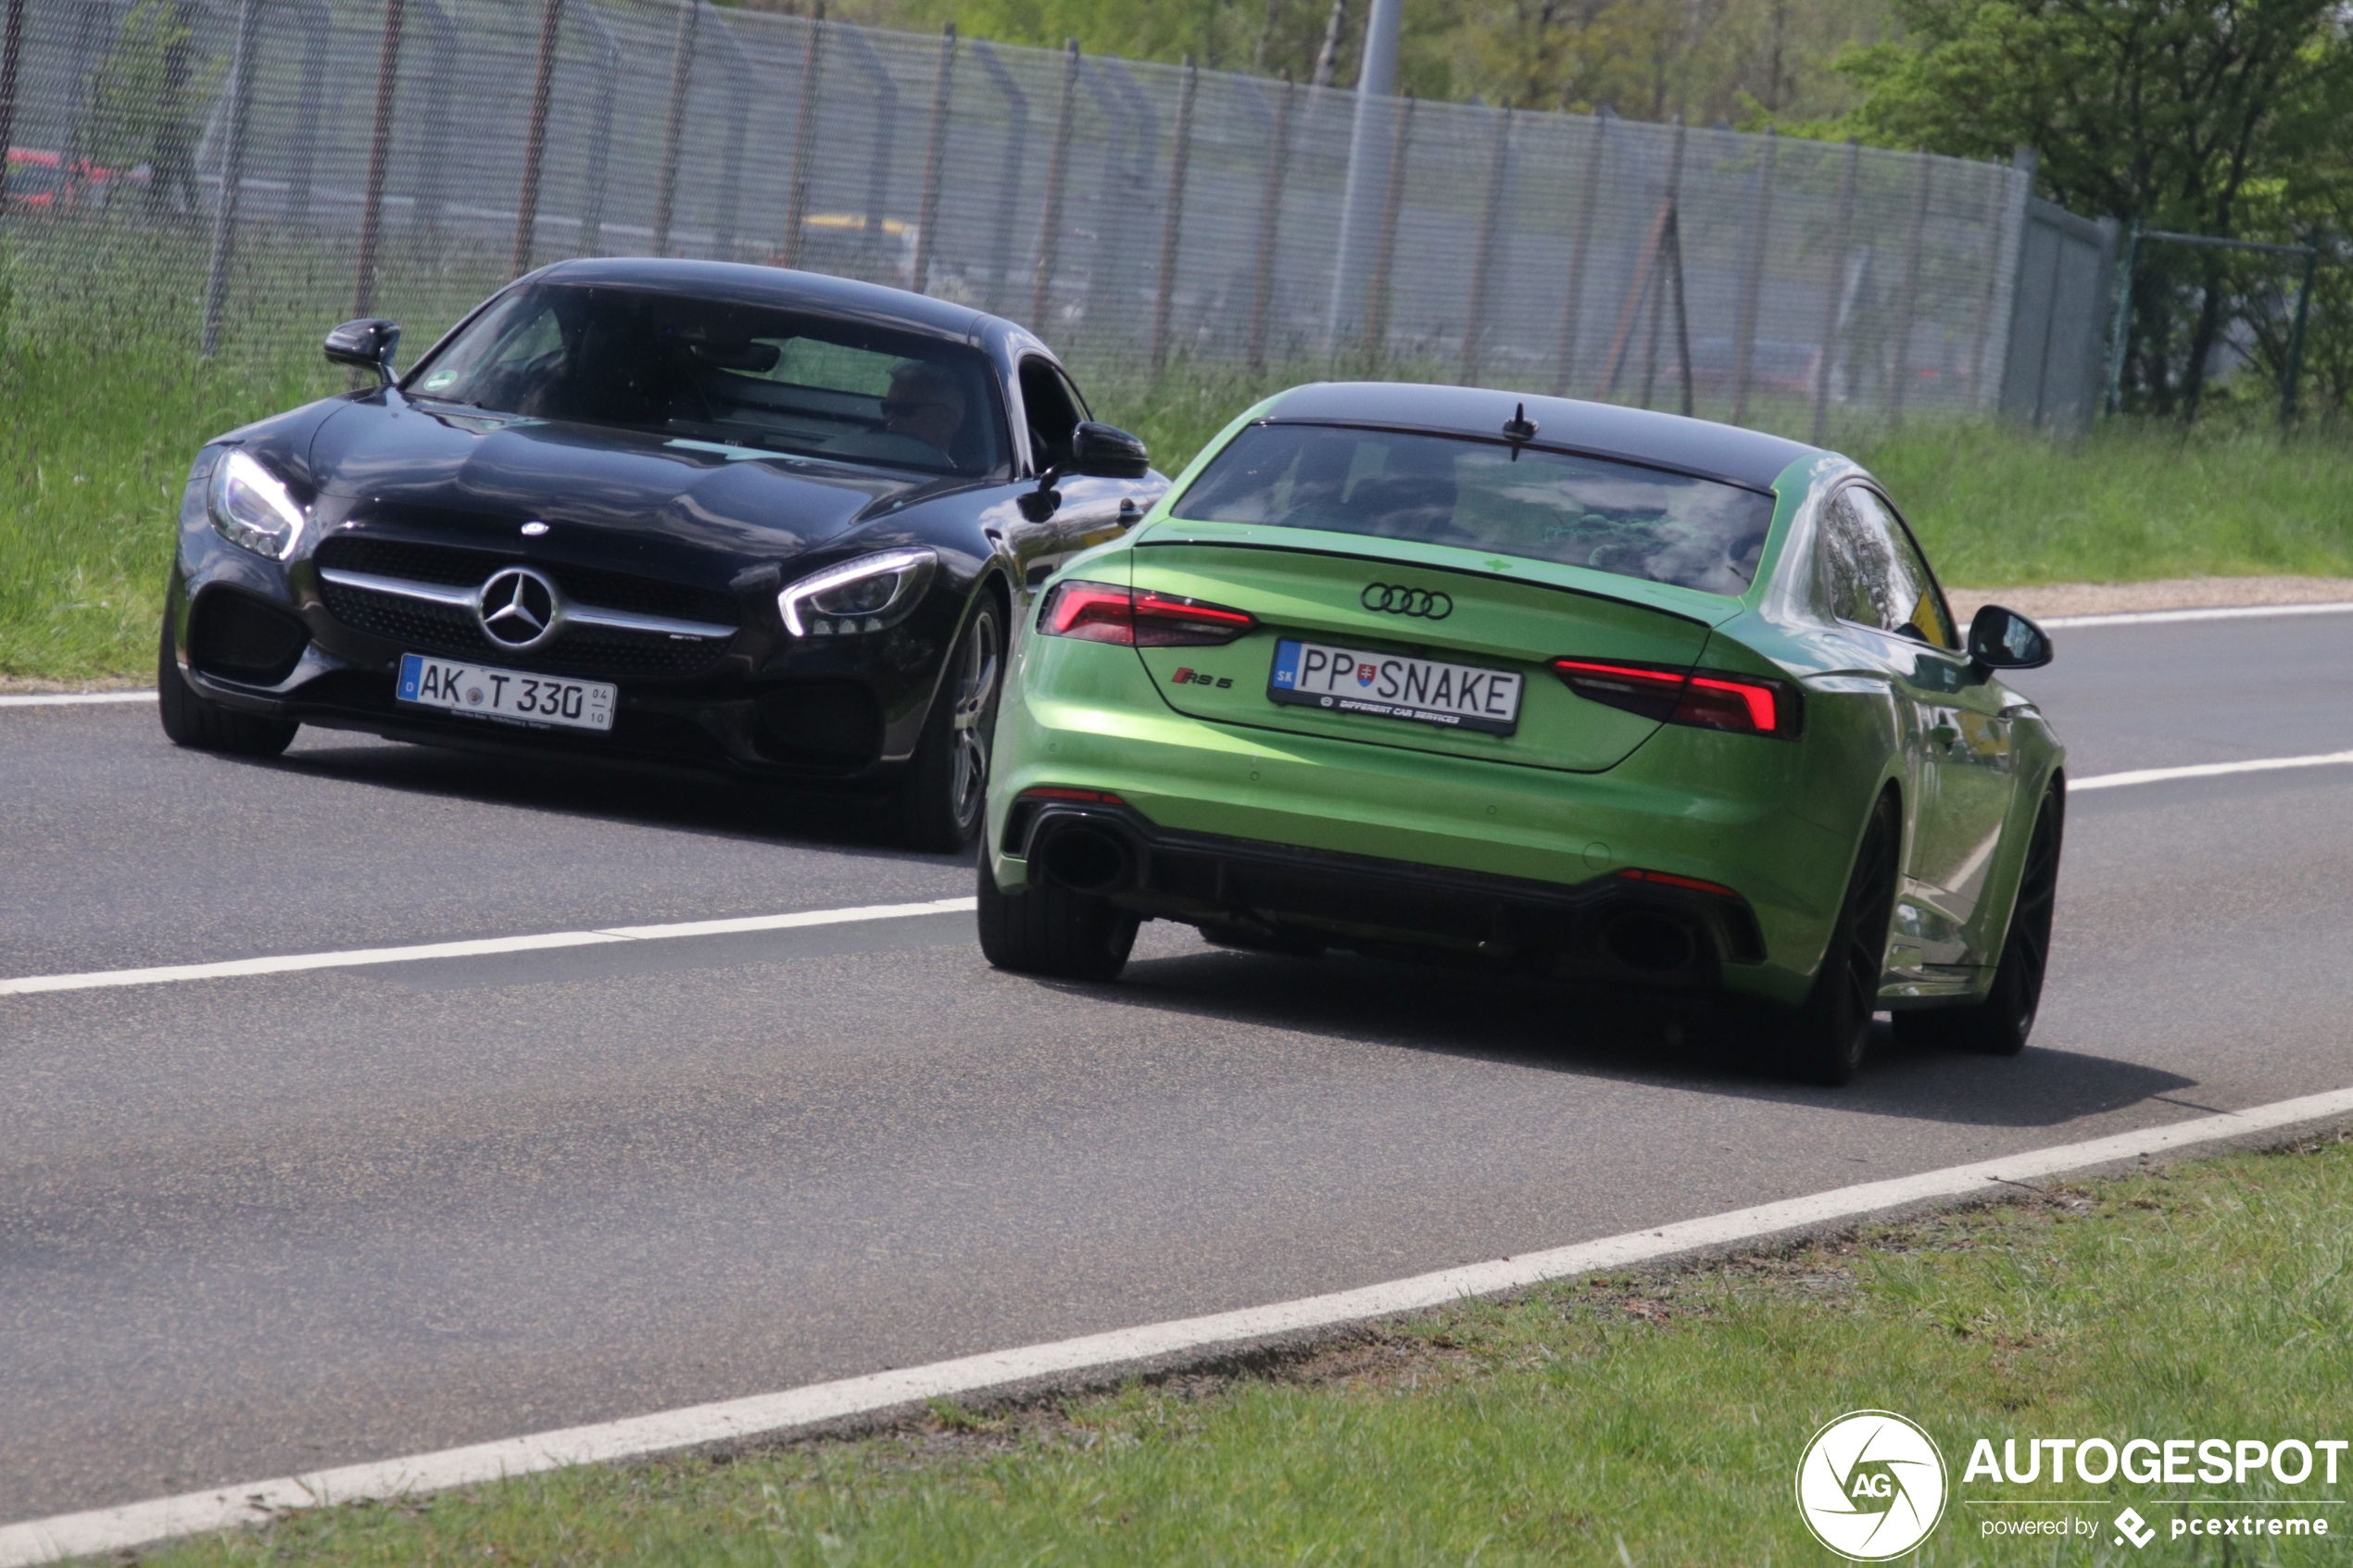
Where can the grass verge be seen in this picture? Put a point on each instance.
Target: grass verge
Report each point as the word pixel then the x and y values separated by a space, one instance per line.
pixel 103 403
pixel 1632 1420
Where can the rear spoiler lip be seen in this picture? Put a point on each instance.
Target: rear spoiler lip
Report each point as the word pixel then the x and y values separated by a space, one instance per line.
pixel 1157 537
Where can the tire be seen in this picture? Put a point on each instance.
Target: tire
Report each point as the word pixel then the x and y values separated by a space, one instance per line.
pixel 202 724
pixel 2000 1024
pixel 946 784
pixel 1053 930
pixel 1823 1039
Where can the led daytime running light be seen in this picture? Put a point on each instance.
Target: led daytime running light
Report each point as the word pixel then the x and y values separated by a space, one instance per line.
pixel 251 508
pixel 804 617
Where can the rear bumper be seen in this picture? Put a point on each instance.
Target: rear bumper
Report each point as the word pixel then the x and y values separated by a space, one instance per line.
pixel 1368 845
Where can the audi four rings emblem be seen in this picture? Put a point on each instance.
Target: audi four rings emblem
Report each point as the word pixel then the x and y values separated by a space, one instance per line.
pixel 1395 600
pixel 518 608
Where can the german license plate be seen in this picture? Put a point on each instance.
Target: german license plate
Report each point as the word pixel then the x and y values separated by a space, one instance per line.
pixel 1391 685
pixel 481 692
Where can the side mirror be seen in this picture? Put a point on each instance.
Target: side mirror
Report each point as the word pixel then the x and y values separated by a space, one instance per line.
pixel 1099 452
pixel 2003 639
pixel 366 344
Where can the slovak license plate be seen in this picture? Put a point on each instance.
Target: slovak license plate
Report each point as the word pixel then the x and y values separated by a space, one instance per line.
pixel 511 694
pixel 1391 685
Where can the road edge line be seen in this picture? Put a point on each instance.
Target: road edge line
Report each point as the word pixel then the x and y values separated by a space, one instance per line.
pixel 69 699
pixel 770 1415
pixel 2206 770
pixel 359 958
pixel 2219 613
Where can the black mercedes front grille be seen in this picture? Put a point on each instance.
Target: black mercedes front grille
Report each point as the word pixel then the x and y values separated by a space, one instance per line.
pixel 595 651
pixel 463 567
pixel 592 651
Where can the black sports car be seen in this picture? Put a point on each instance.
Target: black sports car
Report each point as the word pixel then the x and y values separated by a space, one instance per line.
pixel 686 513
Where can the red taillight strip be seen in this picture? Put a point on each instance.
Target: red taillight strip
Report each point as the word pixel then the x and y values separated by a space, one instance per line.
pixel 1168 606
pixel 1100 614
pixel 1711 699
pixel 1669 879
pixel 1056 792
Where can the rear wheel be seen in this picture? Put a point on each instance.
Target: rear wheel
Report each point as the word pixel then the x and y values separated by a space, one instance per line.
pixel 1824 1037
pixel 1051 931
pixel 946 783
pixel 205 725
pixel 1999 1024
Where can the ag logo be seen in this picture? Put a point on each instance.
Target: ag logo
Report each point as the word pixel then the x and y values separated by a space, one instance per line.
pixel 1871 1486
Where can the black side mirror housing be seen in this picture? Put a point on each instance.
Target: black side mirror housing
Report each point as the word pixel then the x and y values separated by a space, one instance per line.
pixel 2003 639
pixel 1100 452
pixel 366 344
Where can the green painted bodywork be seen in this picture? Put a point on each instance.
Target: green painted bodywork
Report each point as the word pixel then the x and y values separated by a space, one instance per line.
pixel 1581 790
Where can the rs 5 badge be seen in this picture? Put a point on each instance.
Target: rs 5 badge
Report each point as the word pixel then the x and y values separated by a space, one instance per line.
pixel 1189 676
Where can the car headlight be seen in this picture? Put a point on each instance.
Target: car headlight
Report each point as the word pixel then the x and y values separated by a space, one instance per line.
pixel 866 595
pixel 251 508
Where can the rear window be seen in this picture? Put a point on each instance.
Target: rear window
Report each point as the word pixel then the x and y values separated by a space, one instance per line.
pixel 1483 496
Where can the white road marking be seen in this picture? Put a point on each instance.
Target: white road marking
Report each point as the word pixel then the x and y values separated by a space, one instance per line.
pixel 111 1529
pixel 2205 771
pixel 290 963
pixel 2160 617
pixel 68 699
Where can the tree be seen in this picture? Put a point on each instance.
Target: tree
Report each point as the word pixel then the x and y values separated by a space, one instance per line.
pixel 2172 112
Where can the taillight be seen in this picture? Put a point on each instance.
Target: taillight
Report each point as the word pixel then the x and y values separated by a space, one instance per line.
pixel 1711 699
pixel 1084 796
pixel 1097 613
pixel 1669 879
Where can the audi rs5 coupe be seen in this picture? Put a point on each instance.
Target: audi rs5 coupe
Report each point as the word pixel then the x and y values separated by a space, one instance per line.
pixel 1583 692
pixel 677 513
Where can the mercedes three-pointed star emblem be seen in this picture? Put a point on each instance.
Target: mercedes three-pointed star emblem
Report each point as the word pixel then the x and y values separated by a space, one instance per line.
pixel 519 609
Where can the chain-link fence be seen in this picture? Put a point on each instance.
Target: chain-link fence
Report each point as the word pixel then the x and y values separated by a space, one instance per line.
pixel 279 164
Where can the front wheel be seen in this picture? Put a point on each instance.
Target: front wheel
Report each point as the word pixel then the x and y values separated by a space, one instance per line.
pixel 1054 931
pixel 1823 1038
pixel 202 724
pixel 946 783
pixel 1999 1024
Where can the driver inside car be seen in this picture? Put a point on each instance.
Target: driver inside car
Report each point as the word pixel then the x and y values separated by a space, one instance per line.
pixel 925 403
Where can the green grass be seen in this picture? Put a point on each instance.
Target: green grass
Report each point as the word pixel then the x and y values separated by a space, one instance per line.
pixel 1633 1420
pixel 103 401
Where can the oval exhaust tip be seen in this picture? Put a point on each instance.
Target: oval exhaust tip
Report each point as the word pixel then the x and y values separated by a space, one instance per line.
pixel 1085 860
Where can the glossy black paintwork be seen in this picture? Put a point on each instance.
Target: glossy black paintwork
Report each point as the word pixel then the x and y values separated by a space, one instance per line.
pixel 380 464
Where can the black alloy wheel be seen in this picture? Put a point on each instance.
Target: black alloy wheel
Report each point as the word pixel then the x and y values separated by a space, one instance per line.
pixel 1999 1024
pixel 202 724
pixel 1053 930
pixel 947 786
pixel 1824 1037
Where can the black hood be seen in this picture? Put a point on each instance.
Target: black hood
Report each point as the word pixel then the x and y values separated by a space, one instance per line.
pixel 460 475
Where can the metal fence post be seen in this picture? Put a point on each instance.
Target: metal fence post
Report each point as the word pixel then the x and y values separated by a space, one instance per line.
pixel 1385 258
pixel 804 144
pixel 535 142
pixel 1579 250
pixel 11 56
pixel 1902 368
pixel 1839 230
pixel 317 35
pixel 432 149
pixel 379 156
pixel 2119 332
pixel 681 66
pixel 935 155
pixel 1001 249
pixel 1270 211
pixel 1760 230
pixel 233 169
pixel 1172 228
pixel 1482 270
pixel 886 127
pixel 731 152
pixel 1057 164
pixel 1669 236
pixel 592 180
pixel 2296 334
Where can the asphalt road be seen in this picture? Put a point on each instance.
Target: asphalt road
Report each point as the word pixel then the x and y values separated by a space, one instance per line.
pixel 258 1225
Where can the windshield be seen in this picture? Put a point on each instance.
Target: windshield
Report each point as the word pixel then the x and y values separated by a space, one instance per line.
pixel 1485 495
pixel 745 376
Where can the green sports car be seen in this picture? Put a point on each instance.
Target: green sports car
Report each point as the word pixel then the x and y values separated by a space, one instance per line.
pixel 1589 693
